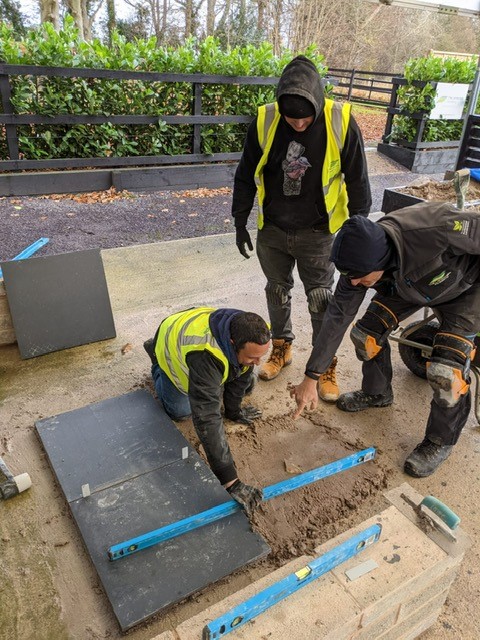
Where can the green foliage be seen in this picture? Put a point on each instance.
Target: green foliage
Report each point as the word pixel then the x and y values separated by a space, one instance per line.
pixel 91 96
pixel 414 99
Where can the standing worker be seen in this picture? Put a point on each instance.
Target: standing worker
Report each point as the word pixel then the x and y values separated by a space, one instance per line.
pixel 426 255
pixel 204 357
pixel 304 158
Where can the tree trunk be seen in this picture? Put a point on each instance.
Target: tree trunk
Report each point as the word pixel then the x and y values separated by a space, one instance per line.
pixel 49 12
pixel 75 8
pixel 262 7
pixel 210 17
pixel 188 18
pixel 111 19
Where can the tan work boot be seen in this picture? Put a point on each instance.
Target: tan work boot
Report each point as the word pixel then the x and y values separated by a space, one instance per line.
pixel 327 384
pixel 280 356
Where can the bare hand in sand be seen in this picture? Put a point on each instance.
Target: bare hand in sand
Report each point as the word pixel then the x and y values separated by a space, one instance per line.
pixel 305 394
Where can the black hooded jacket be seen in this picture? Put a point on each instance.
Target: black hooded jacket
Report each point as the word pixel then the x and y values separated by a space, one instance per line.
pixel 437 258
pixel 307 208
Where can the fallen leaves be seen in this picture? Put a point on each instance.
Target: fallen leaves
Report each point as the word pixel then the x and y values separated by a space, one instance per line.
pixel 202 193
pixel 372 125
pixel 92 197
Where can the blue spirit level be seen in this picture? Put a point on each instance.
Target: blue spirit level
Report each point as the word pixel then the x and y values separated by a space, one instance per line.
pixel 146 540
pixel 262 601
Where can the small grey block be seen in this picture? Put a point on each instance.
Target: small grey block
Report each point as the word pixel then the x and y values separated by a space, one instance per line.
pixel 361 569
pixel 86 490
pixel 184 453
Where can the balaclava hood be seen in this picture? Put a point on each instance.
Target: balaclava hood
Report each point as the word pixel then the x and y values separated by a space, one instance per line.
pixel 301 78
pixel 362 246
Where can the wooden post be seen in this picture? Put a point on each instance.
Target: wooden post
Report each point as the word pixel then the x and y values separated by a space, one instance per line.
pixel 350 86
pixel 11 129
pixel 197 111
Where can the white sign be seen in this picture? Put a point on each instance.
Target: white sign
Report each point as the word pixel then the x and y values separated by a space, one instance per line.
pixel 449 101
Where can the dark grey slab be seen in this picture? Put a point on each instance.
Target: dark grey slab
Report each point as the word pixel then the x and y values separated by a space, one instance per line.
pixel 33 184
pixel 109 442
pixel 178 177
pixel 147 498
pixel 57 302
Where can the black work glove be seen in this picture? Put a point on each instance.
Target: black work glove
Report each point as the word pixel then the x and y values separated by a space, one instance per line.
pixel 249 497
pixel 242 239
pixel 245 415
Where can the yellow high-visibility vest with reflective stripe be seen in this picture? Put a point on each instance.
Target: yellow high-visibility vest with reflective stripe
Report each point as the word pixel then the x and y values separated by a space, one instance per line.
pixel 337 118
pixel 178 335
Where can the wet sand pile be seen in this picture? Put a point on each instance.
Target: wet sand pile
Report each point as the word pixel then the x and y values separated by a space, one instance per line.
pixel 279 448
pixel 433 190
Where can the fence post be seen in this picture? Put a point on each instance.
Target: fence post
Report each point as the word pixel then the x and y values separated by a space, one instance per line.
pixel 350 86
pixel 11 129
pixel 197 111
pixel 390 112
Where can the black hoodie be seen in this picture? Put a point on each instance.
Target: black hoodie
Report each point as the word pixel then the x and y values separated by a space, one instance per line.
pixel 299 203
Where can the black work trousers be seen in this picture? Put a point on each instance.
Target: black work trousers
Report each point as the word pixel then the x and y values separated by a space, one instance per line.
pixel 278 251
pixel 461 317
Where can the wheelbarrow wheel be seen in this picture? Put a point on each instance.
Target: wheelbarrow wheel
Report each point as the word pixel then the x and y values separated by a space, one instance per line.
pixel 412 356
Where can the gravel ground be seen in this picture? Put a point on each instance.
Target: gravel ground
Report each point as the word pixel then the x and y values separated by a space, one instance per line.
pixel 105 221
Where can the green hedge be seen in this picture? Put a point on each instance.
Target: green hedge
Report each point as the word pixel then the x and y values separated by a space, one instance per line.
pixel 414 99
pixel 55 96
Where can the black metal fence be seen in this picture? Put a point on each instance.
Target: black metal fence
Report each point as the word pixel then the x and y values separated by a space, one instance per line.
pixel 353 85
pixel 368 87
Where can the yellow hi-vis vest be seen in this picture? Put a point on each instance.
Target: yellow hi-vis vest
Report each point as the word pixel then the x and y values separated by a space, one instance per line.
pixel 178 335
pixel 337 118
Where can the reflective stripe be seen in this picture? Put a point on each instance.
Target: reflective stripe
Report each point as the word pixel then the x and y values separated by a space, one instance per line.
pixel 337 118
pixel 179 335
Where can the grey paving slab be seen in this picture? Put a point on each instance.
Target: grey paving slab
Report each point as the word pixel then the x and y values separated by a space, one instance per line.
pixel 151 493
pixel 57 302
pixel 109 442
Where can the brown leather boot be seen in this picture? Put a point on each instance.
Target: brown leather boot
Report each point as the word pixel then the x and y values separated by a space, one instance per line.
pixel 280 356
pixel 327 384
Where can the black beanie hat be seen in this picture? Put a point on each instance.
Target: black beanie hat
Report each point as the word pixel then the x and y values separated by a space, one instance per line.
pixel 294 106
pixel 361 246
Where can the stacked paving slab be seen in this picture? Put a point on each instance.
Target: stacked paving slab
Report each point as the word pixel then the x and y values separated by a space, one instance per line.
pixel 398 600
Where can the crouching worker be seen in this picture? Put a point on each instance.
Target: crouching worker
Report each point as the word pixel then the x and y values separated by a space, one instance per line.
pixel 426 255
pixel 202 358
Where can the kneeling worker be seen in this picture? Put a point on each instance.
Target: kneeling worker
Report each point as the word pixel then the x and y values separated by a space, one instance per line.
pixel 203 357
pixel 426 255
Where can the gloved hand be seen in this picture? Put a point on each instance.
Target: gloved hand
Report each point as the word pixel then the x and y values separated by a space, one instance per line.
pixel 245 415
pixel 249 497
pixel 242 239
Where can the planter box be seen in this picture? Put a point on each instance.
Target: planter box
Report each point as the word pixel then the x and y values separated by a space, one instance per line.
pixel 394 198
pixel 421 160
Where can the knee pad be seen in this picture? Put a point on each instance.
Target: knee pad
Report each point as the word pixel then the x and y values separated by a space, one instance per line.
pixel 318 299
pixel 276 294
pixel 368 343
pixel 449 368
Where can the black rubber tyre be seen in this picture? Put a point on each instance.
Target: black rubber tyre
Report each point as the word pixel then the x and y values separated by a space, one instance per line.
pixel 411 356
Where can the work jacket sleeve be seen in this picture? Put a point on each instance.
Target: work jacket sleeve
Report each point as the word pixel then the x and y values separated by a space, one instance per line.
pixel 205 392
pixel 234 393
pixel 244 188
pixel 463 233
pixel 355 170
pixel 340 312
